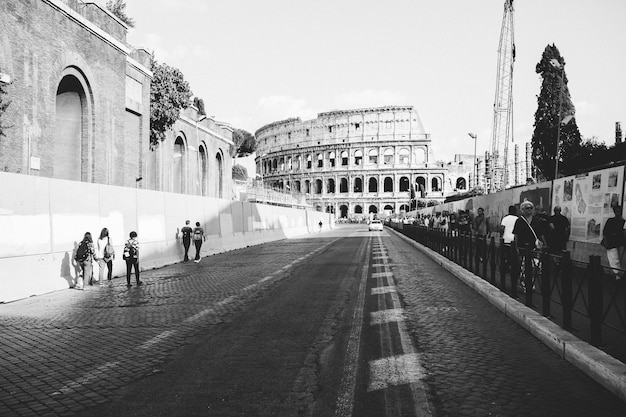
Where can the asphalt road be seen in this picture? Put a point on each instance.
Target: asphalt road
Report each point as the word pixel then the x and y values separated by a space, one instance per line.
pixel 341 323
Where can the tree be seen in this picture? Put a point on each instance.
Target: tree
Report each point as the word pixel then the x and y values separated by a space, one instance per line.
pixel 4 104
pixel 240 172
pixel 554 95
pixel 118 8
pixel 169 94
pixel 245 143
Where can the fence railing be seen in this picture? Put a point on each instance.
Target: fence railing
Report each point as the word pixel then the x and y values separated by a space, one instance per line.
pixel 582 297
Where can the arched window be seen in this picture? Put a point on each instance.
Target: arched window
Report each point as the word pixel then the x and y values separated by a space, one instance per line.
pixel 388 185
pixel 372 185
pixel 289 164
pixel 344 158
pixel 299 162
pixel 282 163
pixel 358 209
pixel 404 156
pixel 372 156
pixel 320 160
pixel 435 184
pixel 404 208
pixel 331 159
pixel 331 186
pixel 343 185
pixel 388 208
pixel 178 166
pixel 358 157
pixel 343 209
pixel 461 184
pixel 373 209
pixel 420 156
pixel 318 186
pixel 309 161
pixel 388 156
pixel 307 187
pixel 219 165
pixel 420 188
pixel 275 164
pixel 358 185
pixel 203 171
pixel 404 184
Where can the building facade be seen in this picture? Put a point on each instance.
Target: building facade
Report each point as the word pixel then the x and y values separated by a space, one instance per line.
pixel 353 163
pixel 80 105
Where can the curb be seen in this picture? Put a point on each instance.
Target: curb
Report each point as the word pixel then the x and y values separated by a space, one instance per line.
pixel 601 367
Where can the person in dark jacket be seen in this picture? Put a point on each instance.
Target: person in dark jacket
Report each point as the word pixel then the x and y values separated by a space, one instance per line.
pixel 613 240
pixel 131 256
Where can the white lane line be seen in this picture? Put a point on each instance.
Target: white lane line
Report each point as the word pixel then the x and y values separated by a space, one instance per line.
pixel 386 316
pixel 379 265
pixel 345 398
pixel 86 378
pixel 383 290
pixel 156 339
pixel 382 275
pixel 395 370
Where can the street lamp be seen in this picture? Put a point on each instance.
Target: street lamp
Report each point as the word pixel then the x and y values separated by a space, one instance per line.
pixel 475 136
pixel 556 64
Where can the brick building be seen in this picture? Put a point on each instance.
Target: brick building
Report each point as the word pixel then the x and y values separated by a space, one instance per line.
pixel 80 105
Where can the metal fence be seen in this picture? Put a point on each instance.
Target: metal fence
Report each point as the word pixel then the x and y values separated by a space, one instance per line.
pixel 584 298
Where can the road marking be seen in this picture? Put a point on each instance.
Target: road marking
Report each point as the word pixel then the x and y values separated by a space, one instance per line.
pixel 86 378
pixel 382 275
pixel 379 265
pixel 395 370
pixel 156 339
pixel 383 290
pixel 386 316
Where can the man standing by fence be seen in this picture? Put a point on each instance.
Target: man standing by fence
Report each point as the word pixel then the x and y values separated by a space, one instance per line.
pixel 613 240
pixel 559 232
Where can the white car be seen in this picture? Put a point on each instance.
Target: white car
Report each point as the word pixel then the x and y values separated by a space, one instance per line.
pixel 376 225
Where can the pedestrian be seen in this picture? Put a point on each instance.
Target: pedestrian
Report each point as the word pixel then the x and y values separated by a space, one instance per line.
pixel 105 254
pixel 613 240
pixel 526 229
pixel 320 224
pixel 186 235
pixel 131 256
pixel 506 231
pixel 84 256
pixel 559 231
pixel 198 238
pixel 437 220
pixel 479 225
pixel 464 222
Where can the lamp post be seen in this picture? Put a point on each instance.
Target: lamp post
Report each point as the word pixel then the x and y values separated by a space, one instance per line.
pixel 475 136
pixel 556 64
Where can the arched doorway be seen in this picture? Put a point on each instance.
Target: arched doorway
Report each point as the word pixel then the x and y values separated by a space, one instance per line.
pixel 373 209
pixel 343 209
pixel 178 166
pixel 220 175
pixel 373 185
pixel 203 171
pixel 358 209
pixel 70 154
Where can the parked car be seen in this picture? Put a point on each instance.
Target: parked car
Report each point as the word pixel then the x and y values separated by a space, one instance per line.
pixel 376 225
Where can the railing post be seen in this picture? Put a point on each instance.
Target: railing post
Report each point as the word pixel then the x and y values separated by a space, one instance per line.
pixel 492 260
pixel 528 277
pixel 545 282
pixel 514 268
pixel 503 251
pixel 596 300
pixel 477 252
pixel 566 290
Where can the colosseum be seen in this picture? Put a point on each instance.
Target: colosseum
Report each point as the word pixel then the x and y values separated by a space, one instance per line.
pixel 353 163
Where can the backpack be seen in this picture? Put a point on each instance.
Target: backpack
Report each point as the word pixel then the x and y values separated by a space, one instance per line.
pixel 197 234
pixel 82 253
pixel 109 250
pixel 129 251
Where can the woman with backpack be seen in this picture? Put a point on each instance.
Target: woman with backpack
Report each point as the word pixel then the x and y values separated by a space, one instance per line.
pixel 84 255
pixel 131 256
pixel 105 254
pixel 198 238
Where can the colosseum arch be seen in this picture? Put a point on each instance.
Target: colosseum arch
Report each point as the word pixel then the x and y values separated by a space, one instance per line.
pixel 372 186
pixel 461 183
pixel 435 184
pixel 373 209
pixel 388 208
pixel 358 209
pixel 358 185
pixel 72 149
pixel 388 156
pixel 330 188
pixel 420 187
pixel 344 158
pixel 358 157
pixel 388 185
pixel 318 186
pixel 343 185
pixel 420 156
pixel 404 156
pixel 343 210
pixel 404 207
pixel 404 184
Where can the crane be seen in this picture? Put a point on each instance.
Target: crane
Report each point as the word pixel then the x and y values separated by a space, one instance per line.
pixel 502 131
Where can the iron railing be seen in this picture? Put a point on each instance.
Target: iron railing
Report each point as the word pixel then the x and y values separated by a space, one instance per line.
pixel 582 297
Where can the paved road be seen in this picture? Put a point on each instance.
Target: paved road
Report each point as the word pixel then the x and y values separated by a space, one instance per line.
pixel 341 323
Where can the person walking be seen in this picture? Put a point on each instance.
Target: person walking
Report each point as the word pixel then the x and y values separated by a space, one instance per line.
pixel 613 239
pixel 105 254
pixel 84 256
pixel 198 238
pixel 559 231
pixel 131 256
pixel 480 228
pixel 186 235
pixel 506 231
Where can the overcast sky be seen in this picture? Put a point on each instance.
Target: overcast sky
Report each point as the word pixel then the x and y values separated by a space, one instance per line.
pixel 254 62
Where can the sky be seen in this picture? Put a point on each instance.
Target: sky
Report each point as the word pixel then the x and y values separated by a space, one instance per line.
pixel 255 62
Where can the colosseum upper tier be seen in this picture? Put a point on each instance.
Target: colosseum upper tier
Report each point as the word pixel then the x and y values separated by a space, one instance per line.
pixel 352 162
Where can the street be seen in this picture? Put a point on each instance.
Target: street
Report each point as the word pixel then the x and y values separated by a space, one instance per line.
pixel 340 323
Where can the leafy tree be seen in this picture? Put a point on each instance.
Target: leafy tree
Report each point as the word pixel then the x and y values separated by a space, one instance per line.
pixel 245 143
pixel 240 172
pixel 169 94
pixel 4 104
pixel 118 8
pixel 554 86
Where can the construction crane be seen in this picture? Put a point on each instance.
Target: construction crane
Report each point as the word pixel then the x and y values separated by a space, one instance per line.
pixel 503 106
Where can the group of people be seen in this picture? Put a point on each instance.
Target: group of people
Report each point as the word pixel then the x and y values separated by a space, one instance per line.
pixel 103 253
pixel 188 234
